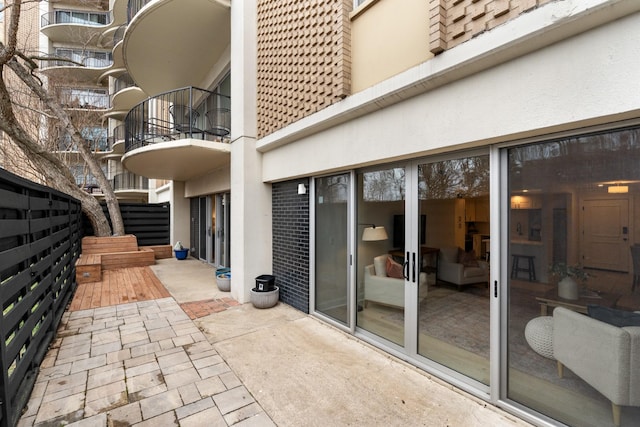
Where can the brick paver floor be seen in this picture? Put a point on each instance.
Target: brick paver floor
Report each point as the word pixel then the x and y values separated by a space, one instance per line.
pixel 196 309
pixel 140 364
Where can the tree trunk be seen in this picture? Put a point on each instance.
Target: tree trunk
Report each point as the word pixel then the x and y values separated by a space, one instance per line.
pixel 52 167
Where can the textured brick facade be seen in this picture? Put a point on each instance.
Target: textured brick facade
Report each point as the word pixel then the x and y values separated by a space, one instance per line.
pixel 291 243
pixel 304 59
pixel 453 22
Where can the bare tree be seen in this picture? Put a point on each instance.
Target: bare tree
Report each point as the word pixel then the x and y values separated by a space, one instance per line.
pixel 53 169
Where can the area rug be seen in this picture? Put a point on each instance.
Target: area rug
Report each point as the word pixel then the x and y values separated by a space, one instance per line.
pixel 461 318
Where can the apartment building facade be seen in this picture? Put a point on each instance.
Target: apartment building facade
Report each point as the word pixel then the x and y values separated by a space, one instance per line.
pixel 418 175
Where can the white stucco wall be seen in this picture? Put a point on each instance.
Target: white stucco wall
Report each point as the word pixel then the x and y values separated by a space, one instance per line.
pixel 588 79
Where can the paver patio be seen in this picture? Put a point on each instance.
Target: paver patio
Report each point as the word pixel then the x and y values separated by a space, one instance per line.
pixel 142 363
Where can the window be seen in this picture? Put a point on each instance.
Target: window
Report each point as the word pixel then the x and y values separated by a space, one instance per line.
pixel 81 17
pixel 85 98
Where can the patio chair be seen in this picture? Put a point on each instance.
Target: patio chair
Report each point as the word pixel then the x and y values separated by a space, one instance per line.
pixel 184 119
pixel 218 122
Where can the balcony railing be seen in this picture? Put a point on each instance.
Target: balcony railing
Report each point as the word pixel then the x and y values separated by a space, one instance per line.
pixel 75 17
pixel 184 113
pixel 123 82
pixel 134 7
pixel 119 34
pixel 130 181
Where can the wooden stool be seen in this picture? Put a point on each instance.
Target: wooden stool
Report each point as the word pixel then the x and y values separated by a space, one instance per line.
pixel 529 268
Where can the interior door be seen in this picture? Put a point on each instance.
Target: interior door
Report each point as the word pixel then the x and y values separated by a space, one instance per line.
pixel 605 230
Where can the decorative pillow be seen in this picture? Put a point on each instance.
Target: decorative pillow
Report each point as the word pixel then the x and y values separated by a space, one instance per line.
pixel 380 265
pixel 449 254
pixel 619 318
pixel 394 269
pixel 468 259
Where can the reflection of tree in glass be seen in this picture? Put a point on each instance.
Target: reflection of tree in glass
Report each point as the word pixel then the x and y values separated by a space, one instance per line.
pixel 383 186
pixel 467 177
pixel 332 189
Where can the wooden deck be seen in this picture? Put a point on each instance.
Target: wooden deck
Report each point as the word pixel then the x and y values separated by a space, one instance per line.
pixel 119 286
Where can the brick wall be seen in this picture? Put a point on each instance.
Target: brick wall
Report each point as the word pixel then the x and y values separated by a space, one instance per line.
pixel 453 22
pixel 291 243
pixel 304 61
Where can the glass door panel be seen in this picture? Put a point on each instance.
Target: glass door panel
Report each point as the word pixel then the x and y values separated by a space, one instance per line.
pixel 331 247
pixel 453 235
pixel 572 210
pixel 222 228
pixel 381 253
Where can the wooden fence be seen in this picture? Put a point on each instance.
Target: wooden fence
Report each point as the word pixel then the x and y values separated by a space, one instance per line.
pixel 40 231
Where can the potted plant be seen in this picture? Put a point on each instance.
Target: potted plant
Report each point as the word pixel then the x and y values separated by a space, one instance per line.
pixel 223 279
pixel 568 277
pixel 180 251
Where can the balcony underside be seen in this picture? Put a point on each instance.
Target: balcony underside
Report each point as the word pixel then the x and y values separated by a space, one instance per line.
pixel 74 73
pixel 71 33
pixel 178 160
pixel 168 45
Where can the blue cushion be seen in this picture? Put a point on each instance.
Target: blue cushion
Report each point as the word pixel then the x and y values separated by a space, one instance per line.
pixel 612 316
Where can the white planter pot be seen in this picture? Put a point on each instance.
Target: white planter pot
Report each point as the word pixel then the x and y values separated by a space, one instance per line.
pixel 265 299
pixel 224 282
pixel 568 288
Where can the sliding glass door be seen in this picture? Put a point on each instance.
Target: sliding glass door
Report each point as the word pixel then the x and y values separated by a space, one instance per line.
pixel 332 254
pixel 381 268
pixel 422 260
pixel 453 225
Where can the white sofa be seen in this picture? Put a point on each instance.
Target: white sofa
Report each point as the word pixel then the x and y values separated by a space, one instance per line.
pixel 607 357
pixel 381 289
pixel 450 270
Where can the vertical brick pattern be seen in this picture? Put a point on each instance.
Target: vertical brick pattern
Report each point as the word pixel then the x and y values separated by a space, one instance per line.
pixel 291 243
pixel 304 59
pixel 452 22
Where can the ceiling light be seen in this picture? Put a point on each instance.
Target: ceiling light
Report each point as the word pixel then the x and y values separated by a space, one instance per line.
pixel 618 189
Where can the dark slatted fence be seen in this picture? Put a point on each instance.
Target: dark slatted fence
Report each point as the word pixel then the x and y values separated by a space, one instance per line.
pixel 148 222
pixel 39 243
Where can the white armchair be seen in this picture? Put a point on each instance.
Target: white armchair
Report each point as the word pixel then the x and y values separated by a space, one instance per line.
pixel 452 271
pixel 607 357
pixel 381 289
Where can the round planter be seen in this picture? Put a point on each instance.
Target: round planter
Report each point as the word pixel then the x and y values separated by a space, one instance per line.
pixel 265 299
pixel 568 288
pixel 181 253
pixel 224 282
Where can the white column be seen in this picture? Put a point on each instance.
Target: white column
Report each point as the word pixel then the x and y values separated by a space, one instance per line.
pixel 180 215
pixel 251 238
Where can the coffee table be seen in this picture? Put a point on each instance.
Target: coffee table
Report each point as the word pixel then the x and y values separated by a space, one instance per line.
pixel 551 299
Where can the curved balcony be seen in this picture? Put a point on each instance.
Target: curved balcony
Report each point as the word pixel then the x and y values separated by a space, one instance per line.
pixel 178 135
pixel 129 182
pixel 193 40
pixel 126 94
pixel 82 68
pixel 69 26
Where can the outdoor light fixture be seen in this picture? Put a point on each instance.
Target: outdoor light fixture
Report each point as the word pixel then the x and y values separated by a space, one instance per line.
pixel 617 189
pixel 373 233
pixel 302 189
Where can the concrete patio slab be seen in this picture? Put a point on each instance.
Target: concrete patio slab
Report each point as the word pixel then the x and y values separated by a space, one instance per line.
pixel 238 367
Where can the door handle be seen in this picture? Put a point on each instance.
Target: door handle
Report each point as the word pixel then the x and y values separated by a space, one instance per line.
pixel 413 269
pixel 405 267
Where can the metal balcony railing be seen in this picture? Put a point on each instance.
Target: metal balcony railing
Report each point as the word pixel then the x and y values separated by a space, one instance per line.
pixel 130 181
pixel 117 135
pixel 134 7
pixel 119 34
pixel 81 17
pixel 184 113
pixel 122 82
